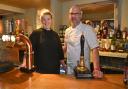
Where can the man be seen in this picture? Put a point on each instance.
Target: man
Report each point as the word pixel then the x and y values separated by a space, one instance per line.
pixel 72 43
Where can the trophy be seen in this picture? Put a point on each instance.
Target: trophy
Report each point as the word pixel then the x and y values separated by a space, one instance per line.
pixel 81 71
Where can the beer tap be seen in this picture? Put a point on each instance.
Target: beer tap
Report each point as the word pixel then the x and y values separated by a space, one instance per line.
pixel 81 71
pixel 28 54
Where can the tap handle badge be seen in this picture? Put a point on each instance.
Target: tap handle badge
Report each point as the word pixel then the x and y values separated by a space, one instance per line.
pixel 82 40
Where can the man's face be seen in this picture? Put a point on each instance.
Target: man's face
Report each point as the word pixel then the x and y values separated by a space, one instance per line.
pixel 75 15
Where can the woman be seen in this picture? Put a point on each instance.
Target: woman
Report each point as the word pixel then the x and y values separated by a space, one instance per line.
pixel 48 53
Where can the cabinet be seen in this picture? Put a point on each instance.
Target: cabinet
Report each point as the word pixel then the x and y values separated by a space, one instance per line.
pixel 113 62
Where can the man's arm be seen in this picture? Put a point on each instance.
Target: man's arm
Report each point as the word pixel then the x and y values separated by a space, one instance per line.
pixel 65 47
pixel 95 55
pixel 96 72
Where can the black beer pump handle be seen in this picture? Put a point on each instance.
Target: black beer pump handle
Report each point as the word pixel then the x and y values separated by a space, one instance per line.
pixel 82 40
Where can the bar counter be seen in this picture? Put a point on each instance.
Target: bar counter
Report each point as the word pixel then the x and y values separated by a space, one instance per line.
pixel 17 80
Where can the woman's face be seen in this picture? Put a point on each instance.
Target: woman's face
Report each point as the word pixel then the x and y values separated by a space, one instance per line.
pixel 46 21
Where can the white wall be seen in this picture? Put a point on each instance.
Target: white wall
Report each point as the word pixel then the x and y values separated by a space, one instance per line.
pixel 56 8
pixel 30 17
pixel 68 4
pixel 124 14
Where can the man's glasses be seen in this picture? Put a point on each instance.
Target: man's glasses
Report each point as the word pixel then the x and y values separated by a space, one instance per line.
pixel 74 13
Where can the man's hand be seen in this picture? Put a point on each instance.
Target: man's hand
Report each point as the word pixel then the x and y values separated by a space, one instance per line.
pixel 97 74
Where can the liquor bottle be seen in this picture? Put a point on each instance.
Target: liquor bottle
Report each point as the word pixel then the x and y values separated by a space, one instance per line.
pixel 107 44
pixel 17 30
pixel 105 32
pixel 113 44
pixel 118 33
pixel 111 33
pixel 126 71
pixel 126 44
pixel 99 33
pixel 22 27
pixel 124 33
pixel 12 25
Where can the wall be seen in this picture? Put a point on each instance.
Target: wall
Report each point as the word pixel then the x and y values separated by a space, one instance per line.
pixel 68 4
pixel 30 17
pixel 1 26
pixel 124 13
pixel 56 8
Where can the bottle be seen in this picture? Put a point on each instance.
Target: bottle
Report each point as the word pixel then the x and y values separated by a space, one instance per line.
pixel 124 33
pixel 105 32
pixel 17 31
pixel 118 33
pixel 104 27
pixel 12 25
pixel 126 72
pixel 107 44
pixel 126 45
pixel 113 44
pixel 99 34
pixel 22 27
pixel 111 33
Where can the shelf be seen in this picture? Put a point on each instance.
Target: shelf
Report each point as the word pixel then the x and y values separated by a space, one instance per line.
pixel 113 54
pixel 62 32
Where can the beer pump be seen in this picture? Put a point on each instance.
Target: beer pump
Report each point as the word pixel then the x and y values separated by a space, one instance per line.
pixel 81 71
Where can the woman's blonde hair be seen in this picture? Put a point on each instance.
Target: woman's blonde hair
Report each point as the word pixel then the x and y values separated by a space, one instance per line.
pixel 45 12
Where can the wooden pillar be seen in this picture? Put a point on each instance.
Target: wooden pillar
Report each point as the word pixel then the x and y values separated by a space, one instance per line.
pixel 1 25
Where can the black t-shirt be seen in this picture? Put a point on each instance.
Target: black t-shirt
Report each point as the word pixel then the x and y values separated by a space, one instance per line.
pixel 47 51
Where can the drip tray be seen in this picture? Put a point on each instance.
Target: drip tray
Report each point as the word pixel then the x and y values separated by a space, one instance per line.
pixel 6 66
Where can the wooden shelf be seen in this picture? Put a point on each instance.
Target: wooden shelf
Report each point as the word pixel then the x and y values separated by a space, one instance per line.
pixel 113 54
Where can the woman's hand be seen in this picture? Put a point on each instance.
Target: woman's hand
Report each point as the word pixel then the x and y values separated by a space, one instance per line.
pixel 63 65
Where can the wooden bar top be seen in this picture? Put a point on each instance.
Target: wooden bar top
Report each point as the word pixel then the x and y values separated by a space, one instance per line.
pixel 17 80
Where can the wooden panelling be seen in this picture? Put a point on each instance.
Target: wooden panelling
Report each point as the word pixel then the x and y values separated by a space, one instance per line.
pixel 9 54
